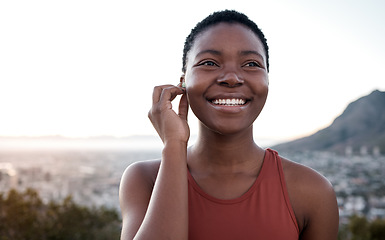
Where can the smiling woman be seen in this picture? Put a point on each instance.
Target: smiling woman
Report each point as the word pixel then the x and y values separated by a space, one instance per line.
pixel 224 186
pixel 216 72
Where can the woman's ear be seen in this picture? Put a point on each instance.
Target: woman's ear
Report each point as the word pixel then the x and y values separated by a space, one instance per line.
pixel 182 81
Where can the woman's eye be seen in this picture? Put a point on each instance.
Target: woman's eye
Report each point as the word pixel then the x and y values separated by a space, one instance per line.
pixel 252 64
pixel 208 63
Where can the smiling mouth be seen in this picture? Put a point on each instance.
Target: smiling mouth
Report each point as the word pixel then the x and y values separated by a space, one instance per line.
pixel 229 102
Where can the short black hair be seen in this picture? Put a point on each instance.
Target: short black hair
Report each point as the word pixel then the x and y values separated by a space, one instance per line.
pixel 227 16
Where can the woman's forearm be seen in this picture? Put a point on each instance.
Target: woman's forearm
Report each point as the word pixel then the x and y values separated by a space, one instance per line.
pixel 167 213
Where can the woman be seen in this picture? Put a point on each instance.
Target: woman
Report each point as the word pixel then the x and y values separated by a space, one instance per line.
pixel 224 186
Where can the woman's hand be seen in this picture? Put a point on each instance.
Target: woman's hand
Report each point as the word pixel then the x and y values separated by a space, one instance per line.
pixel 169 125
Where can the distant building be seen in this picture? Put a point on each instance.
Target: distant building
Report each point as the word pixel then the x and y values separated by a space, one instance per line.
pixel 363 151
pixel 8 177
pixel 349 151
pixel 376 151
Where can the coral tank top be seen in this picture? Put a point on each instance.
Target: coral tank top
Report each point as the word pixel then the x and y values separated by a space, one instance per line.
pixel 263 212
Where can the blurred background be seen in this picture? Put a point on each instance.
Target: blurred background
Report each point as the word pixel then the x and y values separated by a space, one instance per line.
pixel 76 80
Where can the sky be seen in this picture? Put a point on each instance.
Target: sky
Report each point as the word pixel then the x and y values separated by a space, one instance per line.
pixel 87 68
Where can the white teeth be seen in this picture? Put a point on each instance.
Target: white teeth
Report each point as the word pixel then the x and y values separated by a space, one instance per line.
pixel 229 102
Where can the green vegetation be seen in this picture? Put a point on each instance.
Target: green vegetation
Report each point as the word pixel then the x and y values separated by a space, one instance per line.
pixel 23 215
pixel 359 228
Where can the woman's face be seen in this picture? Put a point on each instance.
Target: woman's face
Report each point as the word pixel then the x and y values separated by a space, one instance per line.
pixel 226 78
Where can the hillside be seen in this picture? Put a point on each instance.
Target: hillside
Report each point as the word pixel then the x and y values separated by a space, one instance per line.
pixel 361 124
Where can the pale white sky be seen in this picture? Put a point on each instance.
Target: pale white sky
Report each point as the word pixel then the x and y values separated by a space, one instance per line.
pixel 87 68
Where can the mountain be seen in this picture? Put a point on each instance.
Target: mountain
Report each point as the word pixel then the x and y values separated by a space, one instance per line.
pixel 361 125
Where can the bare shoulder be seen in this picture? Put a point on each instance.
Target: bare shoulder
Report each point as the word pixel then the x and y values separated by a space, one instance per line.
pixel 306 178
pixel 136 187
pixel 313 200
pixel 141 171
pixel 137 179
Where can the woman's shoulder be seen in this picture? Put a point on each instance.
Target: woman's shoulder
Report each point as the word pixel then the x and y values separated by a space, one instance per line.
pixel 143 171
pixel 136 185
pixel 309 192
pixel 303 176
pixel 135 191
pixel 305 182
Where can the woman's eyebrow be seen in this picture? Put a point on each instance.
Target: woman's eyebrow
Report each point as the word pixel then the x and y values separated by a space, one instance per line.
pixel 251 52
pixel 211 51
pixel 241 53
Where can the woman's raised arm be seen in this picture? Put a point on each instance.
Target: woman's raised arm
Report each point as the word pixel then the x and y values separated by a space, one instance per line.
pixel 154 204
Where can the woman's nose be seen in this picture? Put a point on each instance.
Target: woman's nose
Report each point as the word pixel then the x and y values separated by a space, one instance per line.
pixel 230 79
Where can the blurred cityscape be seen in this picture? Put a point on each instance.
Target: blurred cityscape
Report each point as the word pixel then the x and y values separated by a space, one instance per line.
pixel 358 180
pixel 92 177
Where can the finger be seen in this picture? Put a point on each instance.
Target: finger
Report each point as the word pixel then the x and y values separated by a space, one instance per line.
pixel 183 107
pixel 157 93
pixel 169 94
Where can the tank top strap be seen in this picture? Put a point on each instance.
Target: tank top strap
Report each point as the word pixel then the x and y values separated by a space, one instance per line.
pixel 278 161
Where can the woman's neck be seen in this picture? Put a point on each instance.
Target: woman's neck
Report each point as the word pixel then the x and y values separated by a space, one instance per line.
pixel 231 153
